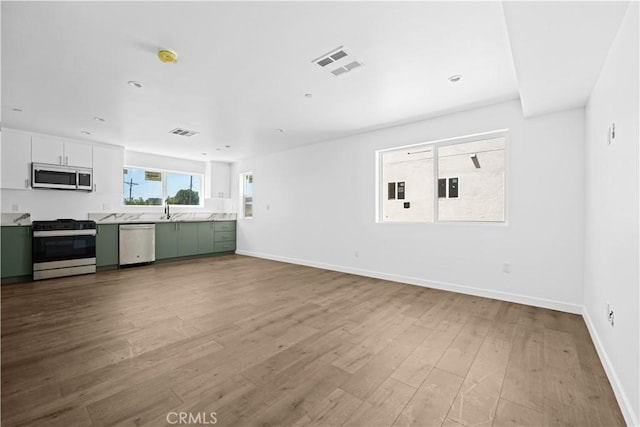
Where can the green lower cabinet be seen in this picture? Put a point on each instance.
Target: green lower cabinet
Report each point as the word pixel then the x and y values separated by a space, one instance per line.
pixel 205 237
pixel 225 226
pixel 225 237
pixel 187 238
pixel 107 245
pixel 184 239
pixel 16 251
pixel 225 246
pixel 166 240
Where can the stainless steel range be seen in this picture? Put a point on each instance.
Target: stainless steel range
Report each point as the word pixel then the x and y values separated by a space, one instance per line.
pixel 64 247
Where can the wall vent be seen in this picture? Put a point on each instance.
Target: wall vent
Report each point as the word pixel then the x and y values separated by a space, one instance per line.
pixel 338 62
pixel 183 132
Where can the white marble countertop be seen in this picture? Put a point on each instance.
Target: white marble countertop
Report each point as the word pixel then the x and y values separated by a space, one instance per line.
pixel 146 217
pixel 14 219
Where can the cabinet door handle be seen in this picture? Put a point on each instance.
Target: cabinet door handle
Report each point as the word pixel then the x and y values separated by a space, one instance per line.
pixel 66 160
pixel 26 183
pixel 59 160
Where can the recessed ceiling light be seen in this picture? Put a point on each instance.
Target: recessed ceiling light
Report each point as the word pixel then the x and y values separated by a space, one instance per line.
pixel 98 119
pixel 227 146
pixel 308 95
pixel 280 130
pixel 85 132
pixel 17 110
pixel 455 78
pixel 134 83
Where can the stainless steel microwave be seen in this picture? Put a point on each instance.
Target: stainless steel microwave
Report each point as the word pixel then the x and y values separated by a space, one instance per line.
pixel 61 177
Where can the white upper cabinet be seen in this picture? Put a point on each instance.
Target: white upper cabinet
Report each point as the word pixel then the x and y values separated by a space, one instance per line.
pixel 220 180
pixel 16 159
pixel 78 154
pixel 108 164
pixel 45 149
pixel 56 151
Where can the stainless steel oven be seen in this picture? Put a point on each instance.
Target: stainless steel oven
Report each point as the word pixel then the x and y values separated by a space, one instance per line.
pixel 63 247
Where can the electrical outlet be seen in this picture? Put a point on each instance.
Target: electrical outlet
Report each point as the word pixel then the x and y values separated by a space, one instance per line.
pixel 15 208
pixel 506 267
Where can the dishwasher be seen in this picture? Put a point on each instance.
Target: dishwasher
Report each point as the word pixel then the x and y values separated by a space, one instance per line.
pixel 137 243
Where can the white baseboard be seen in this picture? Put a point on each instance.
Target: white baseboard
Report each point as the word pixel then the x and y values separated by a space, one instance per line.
pixel 630 417
pixel 463 289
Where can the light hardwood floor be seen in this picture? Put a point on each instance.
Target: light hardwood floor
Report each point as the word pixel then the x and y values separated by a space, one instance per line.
pixel 266 343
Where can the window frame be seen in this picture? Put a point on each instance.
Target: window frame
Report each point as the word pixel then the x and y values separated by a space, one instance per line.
pixel 241 207
pixel 163 173
pixel 435 144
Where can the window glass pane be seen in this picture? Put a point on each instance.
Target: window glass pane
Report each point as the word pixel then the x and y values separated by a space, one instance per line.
pixel 408 171
pixel 247 196
pixel 142 187
pixel 474 174
pixel 183 189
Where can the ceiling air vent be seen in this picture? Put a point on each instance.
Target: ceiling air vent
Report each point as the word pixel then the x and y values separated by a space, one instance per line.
pixel 337 62
pixel 183 132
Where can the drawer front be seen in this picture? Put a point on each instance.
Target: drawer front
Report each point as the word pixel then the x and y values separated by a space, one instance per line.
pixel 224 236
pixel 225 225
pixel 225 246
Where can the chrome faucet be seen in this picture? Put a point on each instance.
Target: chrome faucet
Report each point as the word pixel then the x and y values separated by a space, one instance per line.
pixel 166 209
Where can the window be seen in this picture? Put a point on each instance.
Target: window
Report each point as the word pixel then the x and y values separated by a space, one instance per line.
pixel 145 187
pixel 408 174
pixel 246 189
pixel 461 180
pixel 475 175
pixel 183 189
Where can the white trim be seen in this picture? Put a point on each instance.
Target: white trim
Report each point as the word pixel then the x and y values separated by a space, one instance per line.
pixel 623 400
pixel 463 289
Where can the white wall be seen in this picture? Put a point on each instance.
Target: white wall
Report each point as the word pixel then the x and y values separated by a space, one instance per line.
pixel 315 205
pixel 44 204
pixel 612 190
pixel 151 161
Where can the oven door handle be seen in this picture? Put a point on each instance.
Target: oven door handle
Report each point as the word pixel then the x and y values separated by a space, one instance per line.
pixel 64 233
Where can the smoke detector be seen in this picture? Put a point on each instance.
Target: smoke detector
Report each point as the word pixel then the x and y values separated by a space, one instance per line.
pixel 167 56
pixel 183 132
pixel 338 61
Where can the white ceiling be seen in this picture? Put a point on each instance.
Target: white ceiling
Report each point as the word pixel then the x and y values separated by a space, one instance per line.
pixel 559 49
pixel 244 68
